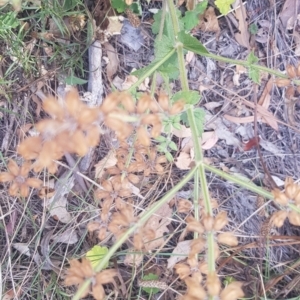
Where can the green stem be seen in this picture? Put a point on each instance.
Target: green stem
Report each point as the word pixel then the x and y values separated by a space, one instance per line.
pixel 241 182
pixel 135 227
pixel 244 63
pixel 174 18
pixel 151 70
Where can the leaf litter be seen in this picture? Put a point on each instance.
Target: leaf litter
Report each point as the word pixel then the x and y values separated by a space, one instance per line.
pixel 213 136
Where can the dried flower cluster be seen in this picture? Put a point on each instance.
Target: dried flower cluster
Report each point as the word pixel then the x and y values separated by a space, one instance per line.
pixel 293 73
pixel 81 271
pixel 18 178
pixel 72 128
pixel 291 196
pixel 133 162
pixel 191 271
pixel 138 116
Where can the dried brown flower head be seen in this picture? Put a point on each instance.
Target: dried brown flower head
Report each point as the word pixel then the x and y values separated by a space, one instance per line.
pixel 80 271
pixel 18 178
pixel 123 115
pixel 72 128
pixel 149 162
pixel 123 174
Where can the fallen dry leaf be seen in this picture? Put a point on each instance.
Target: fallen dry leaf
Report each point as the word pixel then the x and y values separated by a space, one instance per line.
pixel 183 132
pixel 186 156
pixel 266 118
pixel 183 161
pixel 269 147
pixel 69 237
pixel 131 79
pixel 238 71
pixel 113 63
pixel 114 27
pixel 290 9
pixel 57 209
pixel 56 205
pixel 189 57
pixel 108 161
pixel 221 129
pixel 209 21
pixel 180 252
pixel 158 223
pixel 212 105
pixel 243 36
pixel 133 258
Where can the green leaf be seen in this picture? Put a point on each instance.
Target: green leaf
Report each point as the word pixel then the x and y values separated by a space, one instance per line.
pixel 73 80
pixel 141 72
pixel 162 47
pixel 253 73
pixel 171 71
pixel 136 8
pixel 191 18
pixel 149 290
pixel 199 115
pixel 169 156
pixel 191 43
pixel 96 254
pixel 201 7
pixel 156 24
pixel 253 29
pixel 190 97
pixel 168 26
pixel 252 59
pixel 173 146
pixel 119 5
pixel 224 5
pixel 161 139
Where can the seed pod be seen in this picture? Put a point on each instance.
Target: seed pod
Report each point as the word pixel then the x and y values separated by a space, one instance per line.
pixel 228 238
pixel 143 104
pixel 194 289
pixel 291 190
pixel 197 276
pixel 290 92
pixel 232 291
pixel 216 251
pixel 208 223
pixel 203 267
pixel 128 103
pixel 184 206
pixel 177 107
pixel 297 197
pixel 291 71
pixel 163 101
pixel 194 225
pixel 92 226
pixel 197 246
pixel 156 130
pixel 143 136
pixel 182 270
pixel 282 82
pixel 213 284
pixel 278 218
pixel 294 218
pixel 220 221
pixel 110 103
pixel 280 197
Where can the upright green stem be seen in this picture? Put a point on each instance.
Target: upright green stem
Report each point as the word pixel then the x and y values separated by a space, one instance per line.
pixel 135 227
pixel 197 144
